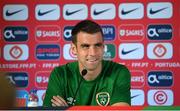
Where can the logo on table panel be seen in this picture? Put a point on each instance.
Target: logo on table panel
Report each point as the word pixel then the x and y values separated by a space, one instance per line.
pixel 159 32
pixel 159 51
pixel 131 51
pixel 108 32
pixel 22 98
pixel 17 12
pixel 160 78
pixel 131 32
pixel 137 97
pixel 131 11
pixel 137 79
pixel 160 97
pixel 75 11
pixel 19 79
pixel 159 10
pixel 15 52
pixel 67 52
pixel 47 52
pixel 47 12
pixel 42 78
pixel 48 33
pixel 67 33
pixel 15 34
pixel 109 51
pixel 41 95
pixel 103 11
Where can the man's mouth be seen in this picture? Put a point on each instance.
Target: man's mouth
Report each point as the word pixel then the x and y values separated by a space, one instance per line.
pixel 91 60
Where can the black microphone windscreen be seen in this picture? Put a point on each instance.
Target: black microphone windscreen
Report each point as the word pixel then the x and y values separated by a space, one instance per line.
pixel 84 72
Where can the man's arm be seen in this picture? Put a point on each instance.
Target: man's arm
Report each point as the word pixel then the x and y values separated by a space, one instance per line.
pixel 120 104
pixel 121 94
pixel 58 101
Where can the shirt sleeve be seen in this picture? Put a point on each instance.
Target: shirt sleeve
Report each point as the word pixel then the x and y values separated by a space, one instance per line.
pixel 121 89
pixel 54 87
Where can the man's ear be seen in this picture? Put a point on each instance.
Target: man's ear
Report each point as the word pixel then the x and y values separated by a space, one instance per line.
pixel 74 49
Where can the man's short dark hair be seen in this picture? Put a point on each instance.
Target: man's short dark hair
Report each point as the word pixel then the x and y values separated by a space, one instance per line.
pixel 87 26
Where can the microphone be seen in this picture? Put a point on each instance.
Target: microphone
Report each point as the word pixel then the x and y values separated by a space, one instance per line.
pixel 83 73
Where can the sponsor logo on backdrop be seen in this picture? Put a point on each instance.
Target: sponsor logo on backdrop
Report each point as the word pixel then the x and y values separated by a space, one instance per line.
pixel 137 79
pixel 47 52
pixel 159 32
pixel 15 52
pixel 109 51
pixel 41 95
pixel 131 11
pixel 17 12
pixel 160 97
pixel 19 79
pixel 68 54
pixel 103 11
pixel 159 51
pixel 42 78
pixel 160 78
pixel 48 33
pixel 67 33
pixel 159 10
pixel 137 97
pixel 75 11
pixel 15 34
pixel 131 51
pixel 47 12
pixel 108 32
pixel 131 32
pixel 22 98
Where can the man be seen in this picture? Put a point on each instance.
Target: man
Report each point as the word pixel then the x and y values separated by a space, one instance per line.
pixel 90 80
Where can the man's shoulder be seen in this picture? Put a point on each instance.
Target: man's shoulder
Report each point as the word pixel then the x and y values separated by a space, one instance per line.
pixel 64 66
pixel 113 64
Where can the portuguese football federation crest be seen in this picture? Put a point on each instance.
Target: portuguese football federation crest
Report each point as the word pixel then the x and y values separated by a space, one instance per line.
pixel 102 98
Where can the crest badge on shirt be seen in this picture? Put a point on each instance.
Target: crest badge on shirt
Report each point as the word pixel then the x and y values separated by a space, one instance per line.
pixel 102 98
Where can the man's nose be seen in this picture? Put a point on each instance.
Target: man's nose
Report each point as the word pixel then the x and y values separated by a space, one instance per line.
pixel 92 51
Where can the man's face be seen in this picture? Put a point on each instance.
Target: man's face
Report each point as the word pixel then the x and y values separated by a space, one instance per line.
pixel 89 50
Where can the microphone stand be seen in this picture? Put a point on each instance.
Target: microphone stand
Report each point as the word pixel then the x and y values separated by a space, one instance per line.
pixel 83 72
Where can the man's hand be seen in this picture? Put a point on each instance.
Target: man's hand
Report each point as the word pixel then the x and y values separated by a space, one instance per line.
pixel 58 101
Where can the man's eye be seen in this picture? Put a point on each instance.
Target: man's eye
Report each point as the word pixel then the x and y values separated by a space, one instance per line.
pixel 85 46
pixel 99 45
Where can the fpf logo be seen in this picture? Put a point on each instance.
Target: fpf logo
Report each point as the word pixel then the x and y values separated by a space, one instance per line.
pixel 15 52
pixel 48 33
pixel 159 51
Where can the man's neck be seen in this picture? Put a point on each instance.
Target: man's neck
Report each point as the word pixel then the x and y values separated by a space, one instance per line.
pixel 93 74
